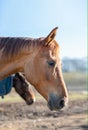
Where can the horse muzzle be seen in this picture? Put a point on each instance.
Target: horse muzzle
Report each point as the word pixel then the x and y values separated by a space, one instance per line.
pixel 56 103
pixel 30 101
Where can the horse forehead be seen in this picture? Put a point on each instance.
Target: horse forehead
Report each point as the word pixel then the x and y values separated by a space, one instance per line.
pixel 51 50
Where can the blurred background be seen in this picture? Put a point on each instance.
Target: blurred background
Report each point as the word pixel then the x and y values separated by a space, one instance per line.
pixel 36 18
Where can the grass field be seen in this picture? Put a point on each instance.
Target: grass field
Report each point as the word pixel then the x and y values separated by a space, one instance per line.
pixel 16 115
pixel 13 97
pixel 76 84
pixel 75 78
pixel 76 81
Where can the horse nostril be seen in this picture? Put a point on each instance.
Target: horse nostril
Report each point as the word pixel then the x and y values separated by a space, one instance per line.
pixel 62 103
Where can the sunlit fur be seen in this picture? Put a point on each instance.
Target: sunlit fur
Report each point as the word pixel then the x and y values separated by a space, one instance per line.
pixel 31 56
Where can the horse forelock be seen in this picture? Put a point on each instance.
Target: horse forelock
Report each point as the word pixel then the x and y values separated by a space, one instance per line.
pixel 53 46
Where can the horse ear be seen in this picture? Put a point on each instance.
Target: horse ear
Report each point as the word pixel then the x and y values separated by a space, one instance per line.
pixel 51 36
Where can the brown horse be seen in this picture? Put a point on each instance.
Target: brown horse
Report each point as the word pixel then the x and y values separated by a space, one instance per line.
pixel 23 88
pixel 39 59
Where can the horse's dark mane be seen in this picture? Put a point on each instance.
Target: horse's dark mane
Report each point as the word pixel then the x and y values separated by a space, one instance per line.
pixel 13 45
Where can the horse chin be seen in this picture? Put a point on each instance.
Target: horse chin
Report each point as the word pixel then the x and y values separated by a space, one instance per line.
pixel 29 103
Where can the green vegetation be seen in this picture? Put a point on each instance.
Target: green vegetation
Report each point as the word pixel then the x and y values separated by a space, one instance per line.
pixel 75 78
pixel 10 98
pixel 75 82
pixel 77 96
pixel 72 96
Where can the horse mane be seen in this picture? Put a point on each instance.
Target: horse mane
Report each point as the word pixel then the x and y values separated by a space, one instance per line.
pixel 13 45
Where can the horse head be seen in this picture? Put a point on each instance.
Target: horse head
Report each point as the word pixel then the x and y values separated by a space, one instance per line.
pixel 43 71
pixel 23 88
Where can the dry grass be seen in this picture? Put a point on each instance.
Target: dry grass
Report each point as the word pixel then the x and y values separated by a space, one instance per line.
pixel 72 79
pixel 75 78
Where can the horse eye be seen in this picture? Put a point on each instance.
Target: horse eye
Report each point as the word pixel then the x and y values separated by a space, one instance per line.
pixel 51 63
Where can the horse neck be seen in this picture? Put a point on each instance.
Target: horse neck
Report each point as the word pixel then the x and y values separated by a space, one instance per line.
pixel 16 63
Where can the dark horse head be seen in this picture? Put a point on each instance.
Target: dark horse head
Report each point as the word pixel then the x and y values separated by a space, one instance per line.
pixel 23 88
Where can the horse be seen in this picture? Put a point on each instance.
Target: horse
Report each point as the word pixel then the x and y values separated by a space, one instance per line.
pixel 39 59
pixel 23 88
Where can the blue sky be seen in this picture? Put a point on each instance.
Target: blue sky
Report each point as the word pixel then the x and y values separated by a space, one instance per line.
pixel 36 18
